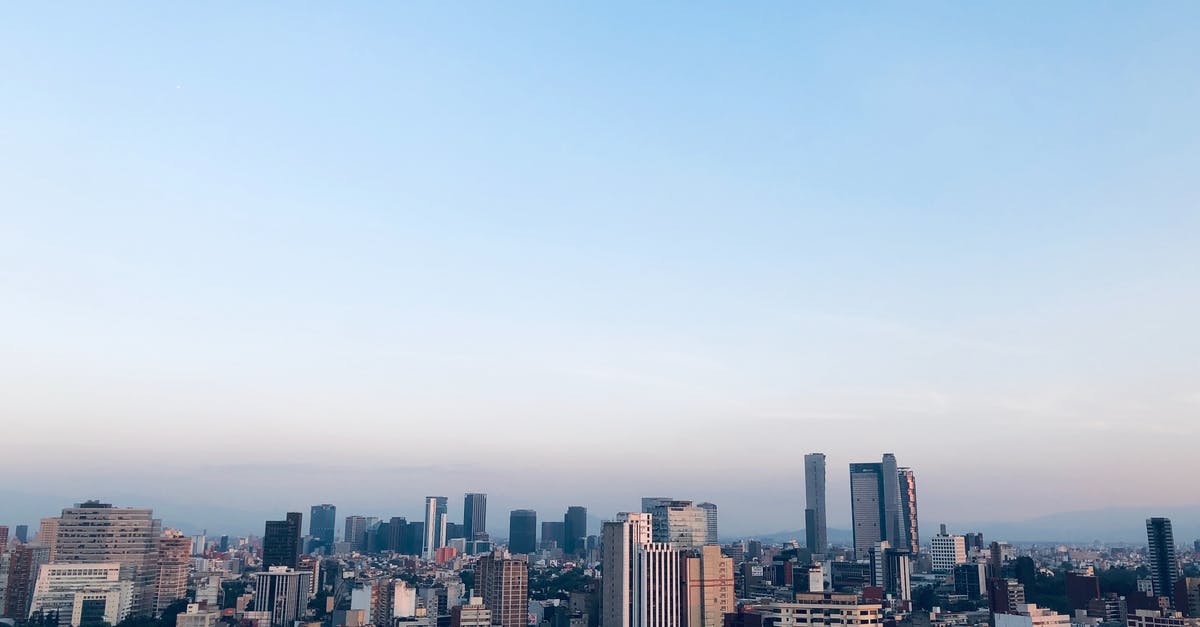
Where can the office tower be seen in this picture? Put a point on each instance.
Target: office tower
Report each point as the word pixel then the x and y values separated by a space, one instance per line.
pixel 474 515
pixel 23 565
pixel 174 559
pixel 910 537
pixel 3 538
pixel 656 585
pixel 504 582
pixel 875 506
pixel 284 593
pixel 98 533
pixel 947 550
pixel 48 535
pixel 22 534
pixel 650 502
pixel 866 507
pixel 281 541
pixel 575 530
pixel 815 530
pixel 397 532
pixel 710 517
pixel 356 533
pixel 679 523
pixel 552 534
pixel 472 614
pixel 223 544
pixel 522 532
pixel 414 538
pixel 322 519
pixel 72 590
pixel 435 525
pixel 974 541
pixel 892 525
pixel 1164 568
pixel 707 587
pixel 619 542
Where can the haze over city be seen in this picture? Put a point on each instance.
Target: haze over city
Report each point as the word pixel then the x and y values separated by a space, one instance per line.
pixel 256 257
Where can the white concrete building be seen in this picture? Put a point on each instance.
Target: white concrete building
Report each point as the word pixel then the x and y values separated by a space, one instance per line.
pixel 79 590
pixel 947 550
pixel 1030 615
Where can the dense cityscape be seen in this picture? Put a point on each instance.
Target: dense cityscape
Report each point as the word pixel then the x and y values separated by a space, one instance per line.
pixel 102 565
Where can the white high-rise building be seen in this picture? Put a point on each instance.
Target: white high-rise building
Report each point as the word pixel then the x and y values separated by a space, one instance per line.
pixel 435 525
pixel 282 593
pixel 947 550
pixel 656 585
pixel 76 591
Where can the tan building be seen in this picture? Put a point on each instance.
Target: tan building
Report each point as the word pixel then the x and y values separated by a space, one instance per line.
pixel 820 609
pixel 1155 618
pixel 504 582
pixel 174 560
pixel 472 614
pixel 707 582
pixel 47 535
pixel 196 617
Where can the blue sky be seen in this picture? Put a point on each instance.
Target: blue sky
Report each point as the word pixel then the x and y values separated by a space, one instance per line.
pixel 657 249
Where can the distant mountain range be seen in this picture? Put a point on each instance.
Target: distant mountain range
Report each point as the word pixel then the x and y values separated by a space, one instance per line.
pixel 1112 525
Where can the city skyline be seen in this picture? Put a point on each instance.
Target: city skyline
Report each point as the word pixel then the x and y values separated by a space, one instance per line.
pixel 846 227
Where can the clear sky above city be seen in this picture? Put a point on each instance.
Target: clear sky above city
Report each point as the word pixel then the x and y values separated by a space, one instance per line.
pixel 265 255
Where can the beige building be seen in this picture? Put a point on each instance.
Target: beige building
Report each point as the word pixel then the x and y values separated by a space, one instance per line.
pixel 75 591
pixel 174 561
pixel 473 614
pixel 1030 615
pixel 1155 618
pixel 504 582
pixel 619 542
pixel 707 582
pixel 98 533
pixel 196 617
pixel 820 609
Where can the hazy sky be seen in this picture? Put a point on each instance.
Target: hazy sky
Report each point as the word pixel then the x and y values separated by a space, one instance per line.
pixel 266 255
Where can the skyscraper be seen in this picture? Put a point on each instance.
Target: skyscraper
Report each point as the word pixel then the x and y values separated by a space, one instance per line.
pixel 3 538
pixel 815 531
pixel 910 537
pixel 656 585
pixel 680 523
pixel 95 532
pixel 48 535
pixel 21 533
pixel 281 541
pixel 552 533
pixel 435 525
pixel 522 532
pixel 174 559
pixel 356 533
pixel 322 520
pixel 575 530
pixel 1164 567
pixel 505 585
pixel 866 507
pixel 619 543
pixel 875 506
pixel 474 515
pixel 710 517
pixel 284 593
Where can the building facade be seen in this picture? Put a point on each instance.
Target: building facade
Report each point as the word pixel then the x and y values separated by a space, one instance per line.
pixel 815 531
pixel 98 533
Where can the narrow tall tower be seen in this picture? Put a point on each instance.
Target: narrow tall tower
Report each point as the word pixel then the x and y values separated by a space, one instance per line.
pixel 815 531
pixel 1164 567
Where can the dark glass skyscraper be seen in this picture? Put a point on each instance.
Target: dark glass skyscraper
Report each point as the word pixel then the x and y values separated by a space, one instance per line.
pixel 522 531
pixel 1164 568
pixel 474 515
pixel 575 530
pixel 321 522
pixel 281 541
